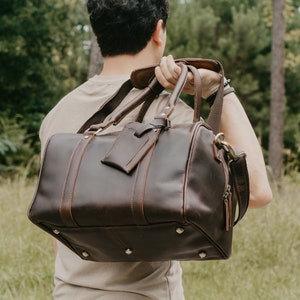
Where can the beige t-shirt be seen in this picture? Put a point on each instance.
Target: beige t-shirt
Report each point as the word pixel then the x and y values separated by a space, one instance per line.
pixel 79 279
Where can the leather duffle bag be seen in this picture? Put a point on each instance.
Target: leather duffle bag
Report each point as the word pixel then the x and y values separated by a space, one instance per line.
pixel 151 192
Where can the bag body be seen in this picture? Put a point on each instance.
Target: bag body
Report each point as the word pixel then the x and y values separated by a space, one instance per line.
pixel 151 192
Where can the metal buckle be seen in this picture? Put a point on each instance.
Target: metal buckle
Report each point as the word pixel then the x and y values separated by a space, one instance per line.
pixel 220 142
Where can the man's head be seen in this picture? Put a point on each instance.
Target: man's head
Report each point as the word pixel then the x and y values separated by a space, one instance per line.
pixel 125 26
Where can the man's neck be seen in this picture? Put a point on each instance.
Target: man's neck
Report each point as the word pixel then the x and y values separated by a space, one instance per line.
pixel 123 65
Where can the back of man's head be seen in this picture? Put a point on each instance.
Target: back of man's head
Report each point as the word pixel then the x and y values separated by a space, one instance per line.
pixel 125 26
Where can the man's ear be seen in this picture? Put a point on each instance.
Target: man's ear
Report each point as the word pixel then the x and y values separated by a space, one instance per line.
pixel 158 35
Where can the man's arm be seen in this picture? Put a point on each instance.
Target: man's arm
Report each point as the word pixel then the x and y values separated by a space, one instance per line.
pixel 234 124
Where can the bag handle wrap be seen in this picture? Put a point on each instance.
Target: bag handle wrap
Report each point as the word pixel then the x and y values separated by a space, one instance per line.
pixel 139 77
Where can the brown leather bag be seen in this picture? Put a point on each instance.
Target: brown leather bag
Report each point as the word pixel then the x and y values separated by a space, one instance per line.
pixel 151 192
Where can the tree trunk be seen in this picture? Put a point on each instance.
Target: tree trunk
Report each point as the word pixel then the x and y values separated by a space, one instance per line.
pixel 277 91
pixel 96 59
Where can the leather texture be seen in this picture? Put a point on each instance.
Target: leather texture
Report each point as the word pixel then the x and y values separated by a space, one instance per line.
pixel 152 192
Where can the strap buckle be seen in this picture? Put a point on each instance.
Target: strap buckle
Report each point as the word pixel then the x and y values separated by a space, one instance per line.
pixel 221 143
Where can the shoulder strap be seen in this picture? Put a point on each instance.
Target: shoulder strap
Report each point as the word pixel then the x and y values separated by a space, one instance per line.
pixel 108 107
pixel 145 79
pixel 112 103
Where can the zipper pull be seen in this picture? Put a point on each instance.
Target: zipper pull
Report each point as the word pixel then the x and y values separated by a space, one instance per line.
pixel 228 207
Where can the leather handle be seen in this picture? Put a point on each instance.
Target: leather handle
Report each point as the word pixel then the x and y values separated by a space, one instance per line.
pixel 167 110
pixel 165 113
pixel 154 88
pixel 141 77
pixel 214 118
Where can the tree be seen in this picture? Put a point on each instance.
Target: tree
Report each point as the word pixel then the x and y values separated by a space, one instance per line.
pixel 277 90
pixel 40 43
pixel 238 33
pixel 42 56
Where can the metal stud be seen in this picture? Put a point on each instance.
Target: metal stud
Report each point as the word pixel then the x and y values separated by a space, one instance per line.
pixel 180 230
pixel 85 254
pixel 86 136
pixel 128 251
pixel 55 231
pixel 202 254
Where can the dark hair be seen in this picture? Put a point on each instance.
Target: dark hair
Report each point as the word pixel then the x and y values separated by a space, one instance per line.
pixel 125 26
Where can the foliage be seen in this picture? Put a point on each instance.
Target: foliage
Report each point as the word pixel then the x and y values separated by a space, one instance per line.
pixel 238 33
pixel 38 41
pixel 17 150
pixel 41 56
pixel 264 263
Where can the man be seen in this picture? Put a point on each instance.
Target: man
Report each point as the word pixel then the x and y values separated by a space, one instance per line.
pixel 132 35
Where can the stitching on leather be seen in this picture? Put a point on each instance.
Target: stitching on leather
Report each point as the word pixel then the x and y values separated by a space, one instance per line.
pixel 138 196
pixel 70 182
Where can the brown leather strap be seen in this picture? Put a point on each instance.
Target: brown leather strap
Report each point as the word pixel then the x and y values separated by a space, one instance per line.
pixel 240 178
pixel 198 93
pixel 214 117
pixel 108 107
pixel 154 88
pixel 144 110
pixel 168 109
pixel 112 103
pixel 140 78
pixel 65 209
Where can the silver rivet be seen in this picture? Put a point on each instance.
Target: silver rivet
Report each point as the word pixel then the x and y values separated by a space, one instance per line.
pixel 180 230
pixel 128 251
pixel 86 136
pixel 56 231
pixel 162 114
pixel 85 254
pixel 202 254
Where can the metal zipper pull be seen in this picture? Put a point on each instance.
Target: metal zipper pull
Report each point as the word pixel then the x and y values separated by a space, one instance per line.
pixel 228 207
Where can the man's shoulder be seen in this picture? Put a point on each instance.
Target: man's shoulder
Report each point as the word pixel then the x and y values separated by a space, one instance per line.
pixel 78 105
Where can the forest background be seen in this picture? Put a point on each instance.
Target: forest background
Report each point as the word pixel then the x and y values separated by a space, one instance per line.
pixel 45 52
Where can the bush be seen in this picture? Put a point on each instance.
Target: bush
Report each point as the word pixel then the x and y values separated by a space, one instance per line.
pixel 18 148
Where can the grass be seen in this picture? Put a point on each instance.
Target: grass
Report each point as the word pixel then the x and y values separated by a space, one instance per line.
pixel 264 263
pixel 26 256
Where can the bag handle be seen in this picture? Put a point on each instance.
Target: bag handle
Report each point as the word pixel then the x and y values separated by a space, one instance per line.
pixel 141 77
pixel 154 88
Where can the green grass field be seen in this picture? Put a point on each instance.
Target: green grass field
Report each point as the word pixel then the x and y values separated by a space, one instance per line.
pixel 264 263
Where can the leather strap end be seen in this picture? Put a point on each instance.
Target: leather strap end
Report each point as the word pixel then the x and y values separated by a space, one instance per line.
pixel 141 78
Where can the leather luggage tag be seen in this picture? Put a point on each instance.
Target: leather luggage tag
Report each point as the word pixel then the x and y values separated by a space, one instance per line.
pixel 129 148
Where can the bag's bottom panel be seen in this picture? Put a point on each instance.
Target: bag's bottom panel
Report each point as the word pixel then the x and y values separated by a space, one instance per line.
pixel 161 242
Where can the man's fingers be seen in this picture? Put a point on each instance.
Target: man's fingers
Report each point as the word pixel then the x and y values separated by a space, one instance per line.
pixel 167 66
pixel 168 72
pixel 162 79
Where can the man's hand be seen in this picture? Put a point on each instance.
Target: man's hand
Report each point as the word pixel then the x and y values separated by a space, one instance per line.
pixel 168 73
